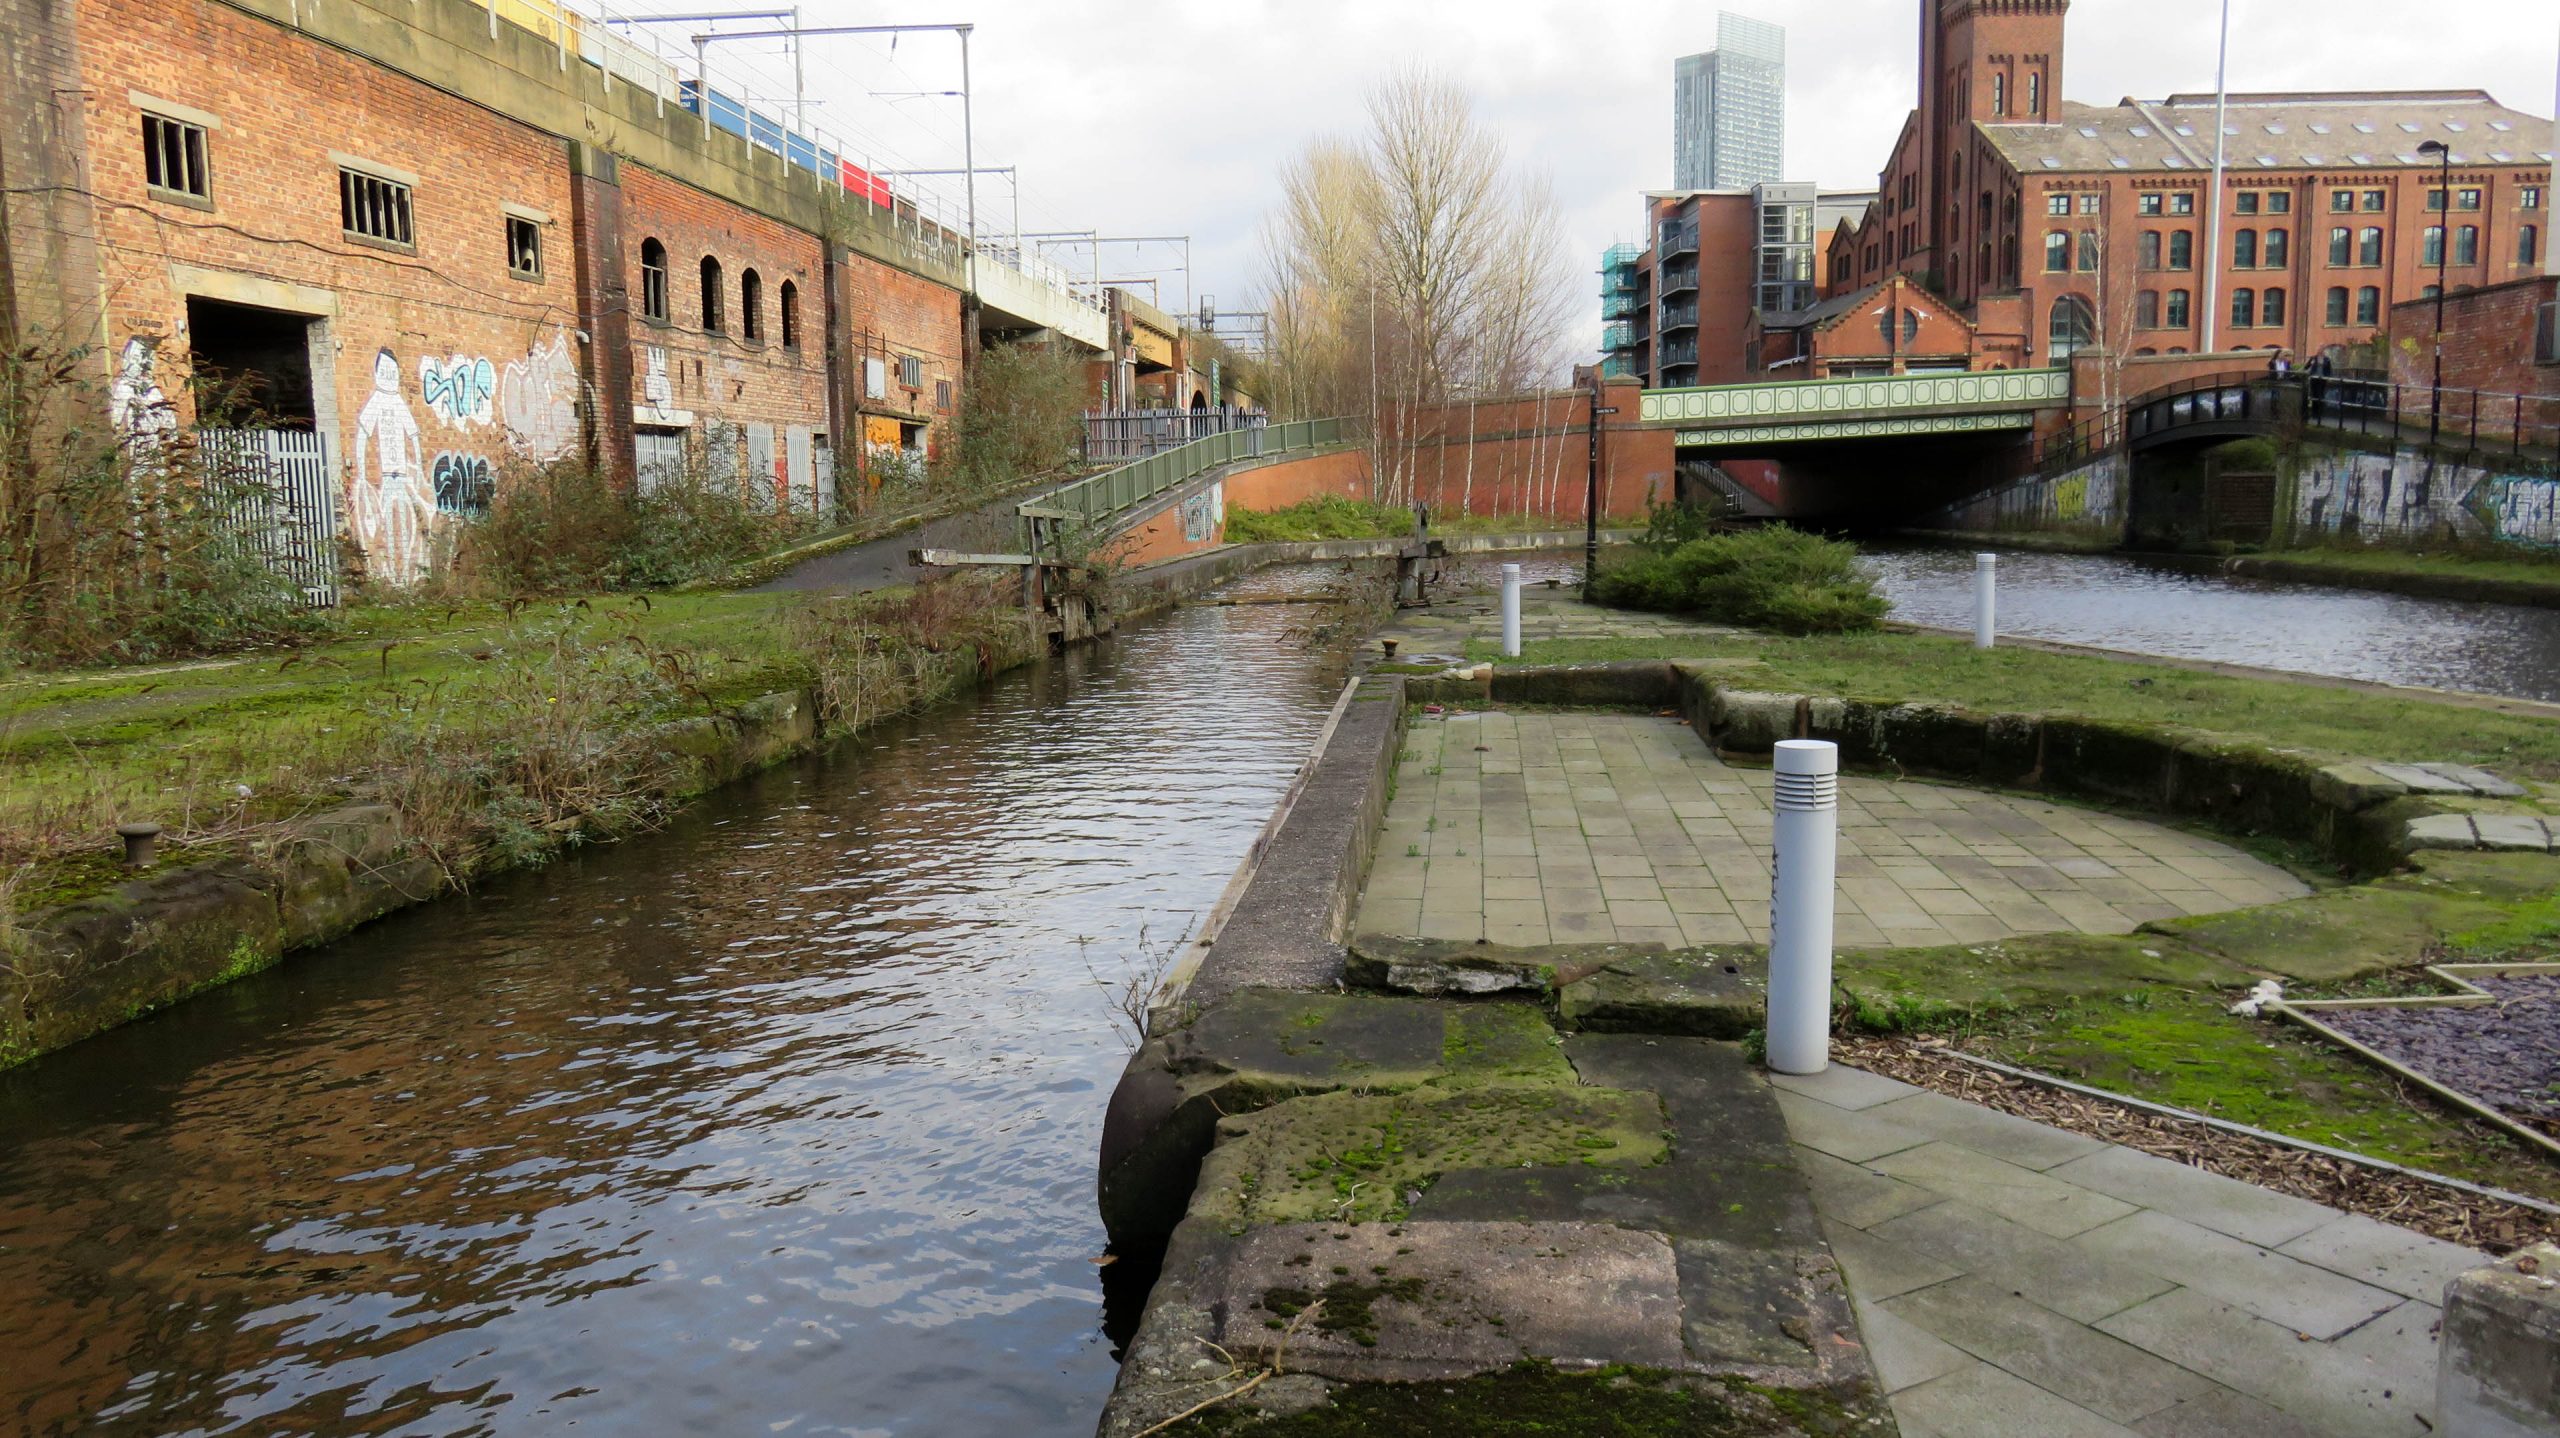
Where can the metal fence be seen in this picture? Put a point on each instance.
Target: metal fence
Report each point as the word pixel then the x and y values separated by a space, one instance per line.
pixel 283 500
pixel 1114 490
pixel 2483 424
pixel 1126 434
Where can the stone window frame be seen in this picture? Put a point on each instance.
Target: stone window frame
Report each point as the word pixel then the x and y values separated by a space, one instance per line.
pixel 526 224
pixel 386 189
pixel 190 122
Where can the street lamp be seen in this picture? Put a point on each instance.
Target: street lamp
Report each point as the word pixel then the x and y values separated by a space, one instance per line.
pixel 2444 251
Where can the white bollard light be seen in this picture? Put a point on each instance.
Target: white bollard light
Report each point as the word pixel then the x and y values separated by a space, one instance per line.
pixel 1986 569
pixel 1511 611
pixel 1807 805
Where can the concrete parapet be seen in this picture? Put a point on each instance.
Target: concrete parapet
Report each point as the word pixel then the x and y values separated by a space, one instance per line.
pixel 2498 1370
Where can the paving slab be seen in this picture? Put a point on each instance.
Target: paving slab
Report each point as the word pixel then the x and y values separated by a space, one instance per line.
pixel 2338 1395
pixel 2225 1205
pixel 2302 1296
pixel 2387 1257
pixel 2022 1195
pixel 1984 1401
pixel 1629 824
pixel 2001 1326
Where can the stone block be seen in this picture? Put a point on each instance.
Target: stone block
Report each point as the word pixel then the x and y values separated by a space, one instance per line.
pixel 2498 1370
pixel 2442 831
pixel 2478 781
pixel 2422 779
pixel 2511 831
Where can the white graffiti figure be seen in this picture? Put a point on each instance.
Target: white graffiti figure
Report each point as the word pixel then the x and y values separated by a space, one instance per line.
pixel 460 390
pixel 387 504
pixel 141 413
pixel 541 399
pixel 655 387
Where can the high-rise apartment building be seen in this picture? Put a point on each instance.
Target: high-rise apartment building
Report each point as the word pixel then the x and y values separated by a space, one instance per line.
pixel 1729 108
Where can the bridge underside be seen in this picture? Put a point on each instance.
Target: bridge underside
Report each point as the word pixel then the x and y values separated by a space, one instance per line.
pixel 1754 438
pixel 1881 480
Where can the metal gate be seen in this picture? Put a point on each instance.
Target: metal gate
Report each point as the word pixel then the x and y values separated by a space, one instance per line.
pixel 283 500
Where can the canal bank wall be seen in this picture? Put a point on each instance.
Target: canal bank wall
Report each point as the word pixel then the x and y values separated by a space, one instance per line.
pixel 2358 495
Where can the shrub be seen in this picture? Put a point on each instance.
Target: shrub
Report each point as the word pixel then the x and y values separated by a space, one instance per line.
pixel 1021 416
pixel 1327 516
pixel 1772 577
pixel 564 528
pixel 124 545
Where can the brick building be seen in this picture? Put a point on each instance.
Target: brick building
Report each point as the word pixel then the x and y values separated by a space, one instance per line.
pixel 422 245
pixel 1686 308
pixel 2098 220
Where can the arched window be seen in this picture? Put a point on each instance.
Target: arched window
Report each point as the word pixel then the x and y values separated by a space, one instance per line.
pixel 2431 246
pixel 710 293
pixel 2057 252
pixel 2369 245
pixel 2336 313
pixel 2009 260
pixel 2151 249
pixel 2088 260
pixel 2466 245
pixel 2146 309
pixel 790 315
pixel 2244 249
pixel 2000 94
pixel 750 305
pixel 2369 306
pixel 2341 246
pixel 2179 318
pixel 2182 249
pixel 2275 256
pixel 653 281
pixel 2271 307
pixel 1982 263
pixel 2072 327
pixel 2035 92
pixel 2244 308
pixel 2528 243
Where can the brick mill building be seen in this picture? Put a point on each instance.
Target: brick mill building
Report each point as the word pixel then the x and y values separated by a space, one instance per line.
pixel 430 240
pixel 2040 227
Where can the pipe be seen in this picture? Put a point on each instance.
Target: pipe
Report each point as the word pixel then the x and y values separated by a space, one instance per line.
pixel 1807 843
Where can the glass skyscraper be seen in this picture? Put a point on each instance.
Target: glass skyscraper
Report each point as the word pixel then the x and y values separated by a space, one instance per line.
pixel 1729 108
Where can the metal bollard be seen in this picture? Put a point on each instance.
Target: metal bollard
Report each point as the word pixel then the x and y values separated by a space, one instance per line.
pixel 1511 611
pixel 1985 580
pixel 1807 815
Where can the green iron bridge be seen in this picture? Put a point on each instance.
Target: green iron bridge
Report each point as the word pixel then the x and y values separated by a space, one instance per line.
pixel 1752 416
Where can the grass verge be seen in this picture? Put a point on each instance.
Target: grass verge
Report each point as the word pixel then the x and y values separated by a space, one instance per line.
pixel 1932 669
pixel 1334 516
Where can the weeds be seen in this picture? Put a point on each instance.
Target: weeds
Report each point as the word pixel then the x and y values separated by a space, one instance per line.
pixel 565 528
pixel 1772 577
pixel 1137 995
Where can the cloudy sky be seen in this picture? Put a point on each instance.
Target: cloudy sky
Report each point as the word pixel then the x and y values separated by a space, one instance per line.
pixel 1145 117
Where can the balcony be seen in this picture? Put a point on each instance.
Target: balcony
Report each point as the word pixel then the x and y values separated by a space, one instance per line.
pixel 1678 279
pixel 1617 337
pixel 1683 353
pixel 1679 317
pixel 1677 240
pixel 1618 307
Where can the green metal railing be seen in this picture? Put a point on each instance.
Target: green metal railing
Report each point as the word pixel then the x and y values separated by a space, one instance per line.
pixel 1108 493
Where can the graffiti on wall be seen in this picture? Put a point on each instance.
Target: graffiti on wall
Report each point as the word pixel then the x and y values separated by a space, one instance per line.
pixel 540 399
pixel 458 389
pixel 2387 496
pixel 2088 498
pixel 656 389
pixel 388 508
pixel 1203 513
pixel 463 482
pixel 140 411
pixel 2527 511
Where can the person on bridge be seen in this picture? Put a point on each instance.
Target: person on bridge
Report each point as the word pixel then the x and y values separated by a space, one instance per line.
pixel 2280 366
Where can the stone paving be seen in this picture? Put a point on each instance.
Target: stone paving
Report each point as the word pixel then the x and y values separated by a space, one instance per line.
pixel 1531 828
pixel 2011 1278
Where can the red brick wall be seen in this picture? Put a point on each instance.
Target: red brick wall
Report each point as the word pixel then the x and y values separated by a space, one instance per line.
pixel 889 314
pixel 1531 456
pixel 730 385
pixel 2488 339
pixel 481 364
pixel 1171 532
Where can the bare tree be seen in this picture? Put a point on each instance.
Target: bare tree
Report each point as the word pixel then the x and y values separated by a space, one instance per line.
pixel 1415 267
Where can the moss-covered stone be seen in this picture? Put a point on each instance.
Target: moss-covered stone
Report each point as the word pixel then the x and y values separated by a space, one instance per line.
pixel 1719 994
pixel 1538 1400
pixel 1359 1157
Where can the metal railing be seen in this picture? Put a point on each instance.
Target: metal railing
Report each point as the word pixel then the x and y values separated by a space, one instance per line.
pixel 283 503
pixel 2484 423
pixel 1126 434
pixel 1106 494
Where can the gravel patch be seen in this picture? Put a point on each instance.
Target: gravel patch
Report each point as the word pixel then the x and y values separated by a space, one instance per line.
pixel 2505 1054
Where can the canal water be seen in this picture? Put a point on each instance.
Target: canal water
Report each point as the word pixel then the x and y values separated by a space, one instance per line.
pixel 2120 602
pixel 781 1121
